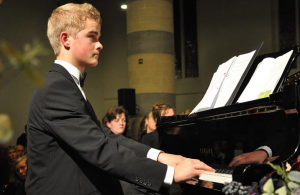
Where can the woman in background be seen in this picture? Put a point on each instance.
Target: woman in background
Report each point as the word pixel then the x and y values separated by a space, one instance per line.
pixel 147 125
pixel 116 119
pixel 142 129
pixel 17 177
pixel 158 109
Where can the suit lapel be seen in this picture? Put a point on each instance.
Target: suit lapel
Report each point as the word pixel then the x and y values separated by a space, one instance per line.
pixel 89 108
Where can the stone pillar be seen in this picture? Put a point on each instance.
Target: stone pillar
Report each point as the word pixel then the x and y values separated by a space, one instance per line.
pixel 150 36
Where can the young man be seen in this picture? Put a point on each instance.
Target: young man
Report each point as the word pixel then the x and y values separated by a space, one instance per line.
pixel 69 152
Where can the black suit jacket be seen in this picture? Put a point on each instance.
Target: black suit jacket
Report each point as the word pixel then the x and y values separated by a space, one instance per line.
pixel 69 152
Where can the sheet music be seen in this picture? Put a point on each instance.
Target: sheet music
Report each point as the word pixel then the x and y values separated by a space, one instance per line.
pixel 226 80
pixel 235 73
pixel 265 78
pixel 214 87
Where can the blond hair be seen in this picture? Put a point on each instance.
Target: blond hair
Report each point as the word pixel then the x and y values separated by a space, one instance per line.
pixel 14 178
pixel 70 18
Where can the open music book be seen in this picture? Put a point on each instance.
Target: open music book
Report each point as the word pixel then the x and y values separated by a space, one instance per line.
pixel 225 80
pixel 265 78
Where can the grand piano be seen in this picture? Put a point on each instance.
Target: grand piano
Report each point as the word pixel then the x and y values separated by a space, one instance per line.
pixel 217 135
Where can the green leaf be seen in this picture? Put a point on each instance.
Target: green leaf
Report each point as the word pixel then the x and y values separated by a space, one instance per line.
pixel 281 191
pixel 269 187
pixel 294 176
pixel 293 185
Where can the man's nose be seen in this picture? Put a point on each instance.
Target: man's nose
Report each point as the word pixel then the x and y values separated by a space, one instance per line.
pixel 99 46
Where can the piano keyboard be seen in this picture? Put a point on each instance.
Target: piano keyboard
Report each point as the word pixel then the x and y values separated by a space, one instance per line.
pixel 221 176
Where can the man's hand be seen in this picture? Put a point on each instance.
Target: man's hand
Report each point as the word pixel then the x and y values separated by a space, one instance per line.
pixel 257 156
pixel 190 168
pixel 170 159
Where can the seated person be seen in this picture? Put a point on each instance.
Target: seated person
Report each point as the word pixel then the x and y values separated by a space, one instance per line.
pixel 11 154
pixel 17 177
pixel 22 139
pixel 19 150
pixel 186 112
pixel 116 119
pixel 10 157
pixel 148 125
pixel 142 129
pixel 158 109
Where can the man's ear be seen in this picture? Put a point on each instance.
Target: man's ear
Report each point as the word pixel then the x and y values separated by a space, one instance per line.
pixel 64 39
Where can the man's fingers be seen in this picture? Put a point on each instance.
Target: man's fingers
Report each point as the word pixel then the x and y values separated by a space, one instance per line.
pixel 190 168
pixel 233 162
pixel 237 160
pixel 202 166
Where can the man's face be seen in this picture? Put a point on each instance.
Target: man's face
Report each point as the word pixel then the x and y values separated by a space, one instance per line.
pixel 85 47
pixel 12 155
pixel 118 124
pixel 19 150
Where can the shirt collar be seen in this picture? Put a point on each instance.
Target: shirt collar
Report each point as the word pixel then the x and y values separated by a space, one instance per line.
pixel 70 68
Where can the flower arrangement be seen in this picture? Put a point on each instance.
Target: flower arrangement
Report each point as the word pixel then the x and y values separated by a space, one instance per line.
pixel 285 180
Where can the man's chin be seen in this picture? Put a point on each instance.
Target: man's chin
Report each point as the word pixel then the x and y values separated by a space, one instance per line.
pixel 92 64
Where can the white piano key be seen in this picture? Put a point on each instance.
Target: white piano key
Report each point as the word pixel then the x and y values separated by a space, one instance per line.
pixel 216 177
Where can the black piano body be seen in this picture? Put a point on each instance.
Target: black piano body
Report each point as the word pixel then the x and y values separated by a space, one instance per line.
pixel 216 136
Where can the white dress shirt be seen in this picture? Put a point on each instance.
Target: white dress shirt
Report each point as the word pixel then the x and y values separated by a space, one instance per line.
pixel 267 149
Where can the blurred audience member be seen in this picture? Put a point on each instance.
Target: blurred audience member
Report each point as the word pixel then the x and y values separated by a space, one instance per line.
pixel 116 119
pixel 142 128
pixel 19 150
pixel 186 112
pixel 150 122
pixel 17 177
pixel 10 157
pixel 22 139
pixel 158 109
pixel 11 154
pixel 162 109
